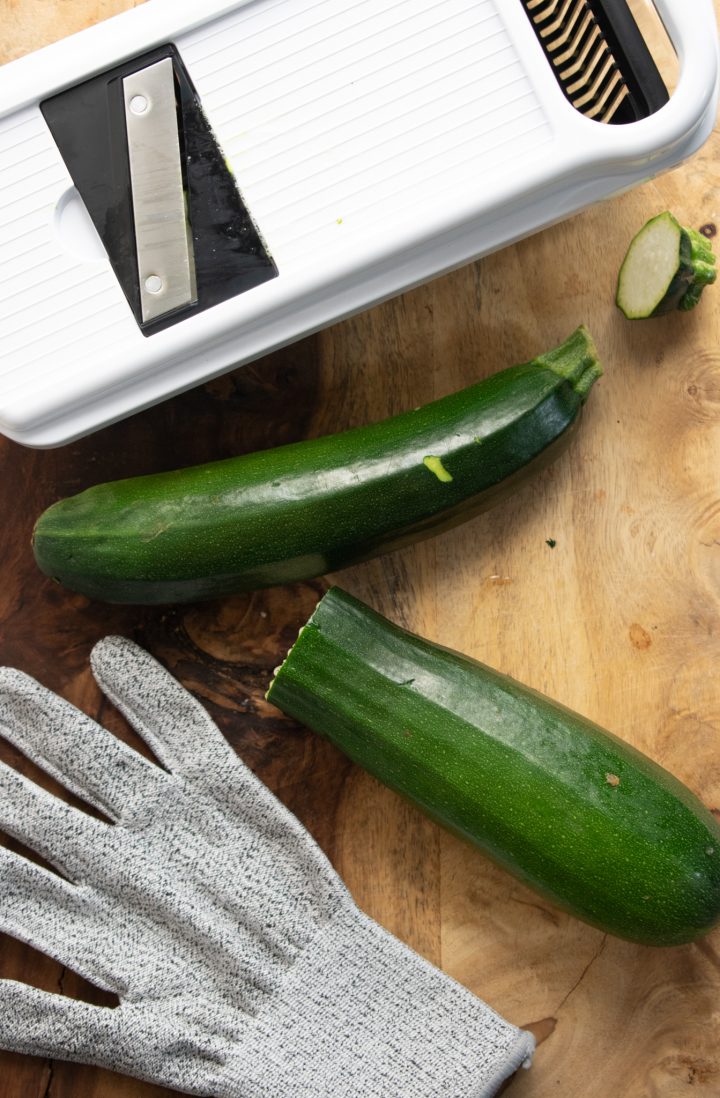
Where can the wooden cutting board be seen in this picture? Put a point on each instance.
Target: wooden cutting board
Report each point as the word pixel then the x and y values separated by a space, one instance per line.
pixel 598 583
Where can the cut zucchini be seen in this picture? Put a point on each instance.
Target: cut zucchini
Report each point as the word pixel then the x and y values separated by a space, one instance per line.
pixel 573 811
pixel 667 267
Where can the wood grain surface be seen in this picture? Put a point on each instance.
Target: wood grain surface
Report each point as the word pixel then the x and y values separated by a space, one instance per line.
pixel 620 619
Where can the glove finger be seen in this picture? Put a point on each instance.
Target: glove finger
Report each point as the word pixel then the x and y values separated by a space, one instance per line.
pixel 172 722
pixel 185 739
pixel 47 912
pixel 60 834
pixel 154 1044
pixel 77 752
pixel 39 1023
pixel 183 736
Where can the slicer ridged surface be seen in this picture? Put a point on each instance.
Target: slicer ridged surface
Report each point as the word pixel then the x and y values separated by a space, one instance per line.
pixel 58 313
pixel 347 124
pixel 339 112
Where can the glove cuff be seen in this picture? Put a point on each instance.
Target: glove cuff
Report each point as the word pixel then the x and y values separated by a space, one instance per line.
pixel 359 1013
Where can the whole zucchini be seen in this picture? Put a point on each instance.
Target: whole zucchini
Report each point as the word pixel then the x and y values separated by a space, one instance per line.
pixel 298 511
pixel 570 809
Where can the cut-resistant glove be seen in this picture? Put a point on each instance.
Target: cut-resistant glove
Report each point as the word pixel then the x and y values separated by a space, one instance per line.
pixel 242 965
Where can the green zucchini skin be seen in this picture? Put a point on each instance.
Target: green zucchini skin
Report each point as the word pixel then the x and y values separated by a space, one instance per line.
pixel 298 511
pixel 571 810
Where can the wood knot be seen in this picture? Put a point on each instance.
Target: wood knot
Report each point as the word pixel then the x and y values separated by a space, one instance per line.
pixel 639 637
pixel 702 390
pixel 542 1029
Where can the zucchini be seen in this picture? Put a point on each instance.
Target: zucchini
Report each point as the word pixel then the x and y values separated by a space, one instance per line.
pixel 585 819
pixel 298 511
pixel 667 266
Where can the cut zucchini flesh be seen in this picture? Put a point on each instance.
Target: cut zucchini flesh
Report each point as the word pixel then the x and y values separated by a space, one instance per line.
pixel 667 266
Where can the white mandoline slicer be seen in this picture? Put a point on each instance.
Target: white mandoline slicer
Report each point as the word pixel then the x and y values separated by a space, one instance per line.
pixel 189 185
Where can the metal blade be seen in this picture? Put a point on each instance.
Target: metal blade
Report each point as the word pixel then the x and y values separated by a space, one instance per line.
pixel 166 269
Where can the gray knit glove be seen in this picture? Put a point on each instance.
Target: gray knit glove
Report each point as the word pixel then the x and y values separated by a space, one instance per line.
pixel 243 967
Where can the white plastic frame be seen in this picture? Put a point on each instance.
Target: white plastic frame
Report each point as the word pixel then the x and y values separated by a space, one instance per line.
pixel 589 161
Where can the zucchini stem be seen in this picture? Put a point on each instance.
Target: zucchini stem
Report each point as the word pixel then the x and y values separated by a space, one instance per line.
pixel 704 272
pixel 576 360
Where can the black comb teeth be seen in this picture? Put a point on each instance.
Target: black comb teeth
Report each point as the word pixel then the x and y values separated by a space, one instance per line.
pixel 599 58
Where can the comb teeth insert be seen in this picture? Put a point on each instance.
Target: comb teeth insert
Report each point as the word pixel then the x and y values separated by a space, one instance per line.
pixel 599 58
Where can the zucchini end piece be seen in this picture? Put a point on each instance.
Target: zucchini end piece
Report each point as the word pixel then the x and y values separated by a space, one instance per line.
pixel 666 267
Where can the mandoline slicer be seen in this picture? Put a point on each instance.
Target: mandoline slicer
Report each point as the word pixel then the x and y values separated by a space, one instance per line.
pixel 187 186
